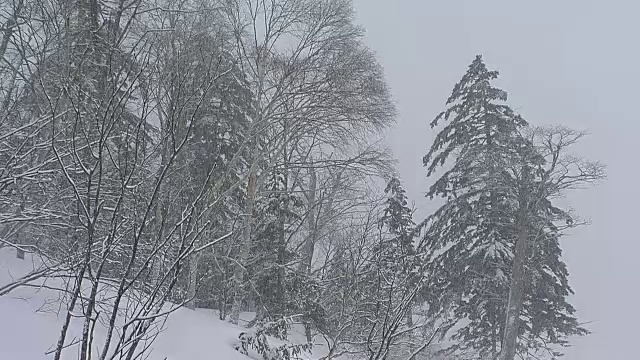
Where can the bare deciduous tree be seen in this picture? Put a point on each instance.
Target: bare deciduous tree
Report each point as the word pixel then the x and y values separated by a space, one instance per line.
pixel 544 173
pixel 318 92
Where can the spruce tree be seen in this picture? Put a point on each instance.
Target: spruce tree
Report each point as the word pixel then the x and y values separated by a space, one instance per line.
pixel 268 269
pixel 471 239
pixel 395 278
pixel 396 259
pixel 398 217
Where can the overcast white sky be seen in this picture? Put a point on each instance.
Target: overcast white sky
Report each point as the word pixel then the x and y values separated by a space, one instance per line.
pixel 571 62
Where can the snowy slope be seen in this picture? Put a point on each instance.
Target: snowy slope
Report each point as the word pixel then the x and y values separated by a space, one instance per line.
pixel 30 324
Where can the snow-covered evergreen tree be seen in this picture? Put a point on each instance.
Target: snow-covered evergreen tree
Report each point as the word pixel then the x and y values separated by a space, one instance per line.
pixel 398 218
pixel 471 238
pixel 398 277
pixel 376 277
pixel 278 289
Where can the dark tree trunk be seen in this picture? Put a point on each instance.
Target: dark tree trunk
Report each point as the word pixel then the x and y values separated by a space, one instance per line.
pixel 514 306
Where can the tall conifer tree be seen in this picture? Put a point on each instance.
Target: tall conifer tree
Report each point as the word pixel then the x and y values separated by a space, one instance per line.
pixel 471 238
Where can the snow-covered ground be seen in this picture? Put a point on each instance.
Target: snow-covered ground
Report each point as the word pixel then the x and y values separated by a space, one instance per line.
pixel 30 321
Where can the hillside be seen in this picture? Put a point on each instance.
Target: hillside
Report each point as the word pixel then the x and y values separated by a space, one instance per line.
pixel 31 322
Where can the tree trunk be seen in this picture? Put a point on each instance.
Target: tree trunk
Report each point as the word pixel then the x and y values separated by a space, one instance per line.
pixel 194 260
pixel 495 341
pixel 309 246
pixel 412 337
pixel 9 27
pixel 512 322
pixel 245 247
pixel 282 241
pixel 160 207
